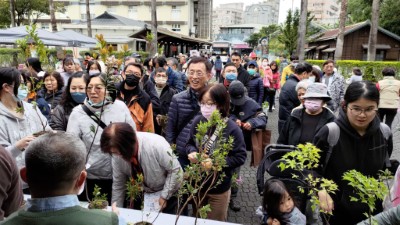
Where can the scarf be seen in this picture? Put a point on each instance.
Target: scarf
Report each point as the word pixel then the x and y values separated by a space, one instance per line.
pixel 136 171
pixel 194 99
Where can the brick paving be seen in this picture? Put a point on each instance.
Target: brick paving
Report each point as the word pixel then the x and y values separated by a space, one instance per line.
pixel 248 195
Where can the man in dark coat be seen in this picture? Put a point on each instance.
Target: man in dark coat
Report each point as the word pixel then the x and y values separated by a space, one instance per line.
pixel 243 75
pixel 184 107
pixel 249 116
pixel 288 99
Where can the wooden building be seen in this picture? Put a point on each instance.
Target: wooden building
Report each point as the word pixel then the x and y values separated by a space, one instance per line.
pixel 355 46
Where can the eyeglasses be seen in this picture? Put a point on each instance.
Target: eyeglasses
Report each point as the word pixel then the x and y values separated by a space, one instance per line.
pixel 198 73
pixel 368 111
pixel 207 104
pixel 97 88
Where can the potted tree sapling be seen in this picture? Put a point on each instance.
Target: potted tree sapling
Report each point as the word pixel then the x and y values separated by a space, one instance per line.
pixel 201 177
pixel 367 190
pixel 134 190
pixel 99 200
pixel 303 161
pixel 29 45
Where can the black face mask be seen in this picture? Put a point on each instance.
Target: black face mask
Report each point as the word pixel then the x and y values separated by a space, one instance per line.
pixel 132 80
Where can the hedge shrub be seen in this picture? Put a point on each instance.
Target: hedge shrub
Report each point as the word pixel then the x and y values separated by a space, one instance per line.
pixel 372 70
pixel 10 56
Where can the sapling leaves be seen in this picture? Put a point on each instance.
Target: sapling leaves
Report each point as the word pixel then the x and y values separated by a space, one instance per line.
pixel 367 189
pixel 207 173
pixel 304 160
pixel 204 210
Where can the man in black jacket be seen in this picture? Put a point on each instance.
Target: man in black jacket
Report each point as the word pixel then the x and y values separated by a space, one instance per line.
pixel 288 99
pixel 146 85
pixel 243 75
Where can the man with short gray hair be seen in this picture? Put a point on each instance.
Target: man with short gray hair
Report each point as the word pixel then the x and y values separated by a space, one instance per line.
pixel 55 171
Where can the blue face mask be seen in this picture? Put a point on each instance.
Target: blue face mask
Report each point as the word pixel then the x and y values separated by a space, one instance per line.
pixel 22 93
pixel 251 72
pixel 231 77
pixel 78 97
pixel 96 105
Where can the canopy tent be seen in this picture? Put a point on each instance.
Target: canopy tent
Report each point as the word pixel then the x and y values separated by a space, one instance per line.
pixel 66 38
pixel 11 35
pixel 76 39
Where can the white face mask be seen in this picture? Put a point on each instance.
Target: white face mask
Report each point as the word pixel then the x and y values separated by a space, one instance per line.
pixel 93 72
pixel 312 79
pixel 160 80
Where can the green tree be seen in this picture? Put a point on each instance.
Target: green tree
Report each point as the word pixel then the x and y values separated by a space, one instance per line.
pixel 5 15
pixel 264 32
pixel 26 11
pixel 390 16
pixel 288 31
pixel 361 10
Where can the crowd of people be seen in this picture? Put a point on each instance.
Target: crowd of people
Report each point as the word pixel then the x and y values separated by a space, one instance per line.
pixel 105 138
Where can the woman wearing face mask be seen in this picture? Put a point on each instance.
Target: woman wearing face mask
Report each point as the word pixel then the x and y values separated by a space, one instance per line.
pixel 138 101
pixel 216 98
pixel 274 86
pixel 165 93
pixel 256 88
pixel 93 67
pixel 364 144
pixel 19 120
pixel 69 68
pixel 96 112
pixel 23 89
pixel 304 122
pixel 74 94
pixel 229 74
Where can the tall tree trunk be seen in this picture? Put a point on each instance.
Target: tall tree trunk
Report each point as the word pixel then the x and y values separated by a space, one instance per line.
pixel 154 47
pixel 373 33
pixel 88 19
pixel 52 16
pixel 12 13
pixel 302 30
pixel 342 25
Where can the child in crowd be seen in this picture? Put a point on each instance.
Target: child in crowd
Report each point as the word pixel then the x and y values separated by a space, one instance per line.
pixel 278 206
pixel 356 76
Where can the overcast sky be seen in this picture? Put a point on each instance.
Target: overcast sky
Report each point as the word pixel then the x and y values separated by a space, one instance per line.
pixel 284 6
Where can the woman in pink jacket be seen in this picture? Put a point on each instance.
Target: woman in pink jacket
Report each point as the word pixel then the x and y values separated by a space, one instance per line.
pixel 275 83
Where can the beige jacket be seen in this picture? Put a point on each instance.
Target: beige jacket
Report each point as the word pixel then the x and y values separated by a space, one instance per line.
pixel 161 169
pixel 389 89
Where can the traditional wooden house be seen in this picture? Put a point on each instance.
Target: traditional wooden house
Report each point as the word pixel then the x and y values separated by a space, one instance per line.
pixel 355 44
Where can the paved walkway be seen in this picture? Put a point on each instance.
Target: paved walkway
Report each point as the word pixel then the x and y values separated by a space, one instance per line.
pixel 248 195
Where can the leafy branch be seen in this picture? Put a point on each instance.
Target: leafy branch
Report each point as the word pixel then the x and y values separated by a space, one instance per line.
pixel 99 200
pixel 201 177
pixel 367 189
pixel 303 161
